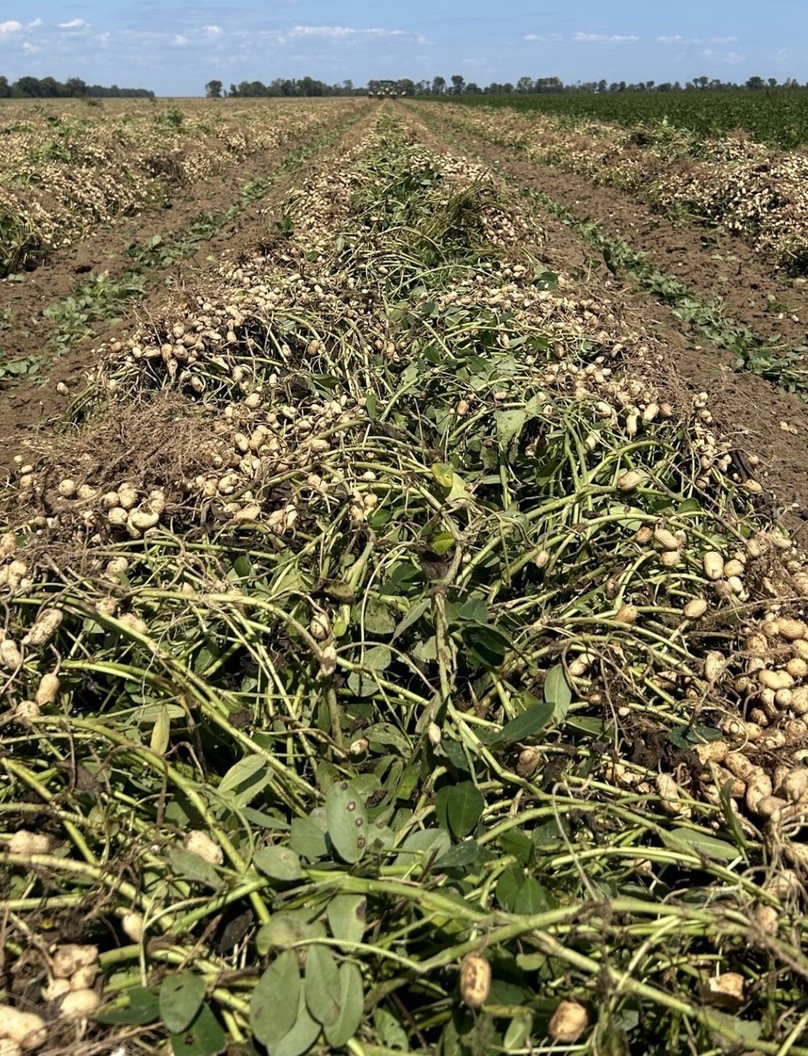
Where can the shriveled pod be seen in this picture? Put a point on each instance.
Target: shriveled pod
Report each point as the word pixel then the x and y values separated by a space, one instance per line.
pixel 69 958
pixel 758 786
pixel 475 980
pixel 134 623
pixel 528 761
pixel 713 564
pixel 627 614
pixel 118 517
pixel 794 786
pixel 320 626
pixel 734 568
pixel 644 535
pixel 712 751
pixel 671 558
pixel 756 644
pixel 714 666
pixel 799 700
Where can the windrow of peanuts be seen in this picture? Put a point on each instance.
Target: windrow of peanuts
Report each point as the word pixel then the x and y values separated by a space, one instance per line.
pixel 744 187
pixel 702 602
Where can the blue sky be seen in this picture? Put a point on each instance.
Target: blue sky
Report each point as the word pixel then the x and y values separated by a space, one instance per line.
pixel 174 47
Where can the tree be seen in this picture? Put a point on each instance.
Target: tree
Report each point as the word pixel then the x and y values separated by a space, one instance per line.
pixel 524 84
pixel 213 89
pixel 438 85
pixel 458 83
pixel 755 83
pixel 75 86
pixel 5 88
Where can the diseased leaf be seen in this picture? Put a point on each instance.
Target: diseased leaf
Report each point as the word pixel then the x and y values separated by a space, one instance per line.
pixel 346 917
pixel 347 821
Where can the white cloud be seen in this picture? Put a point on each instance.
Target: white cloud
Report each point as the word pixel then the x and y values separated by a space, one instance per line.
pixel 679 39
pixel 179 41
pixel 30 49
pixel 602 38
pixel 74 23
pixel 6 28
pixel 212 32
pixel 553 38
pixel 728 57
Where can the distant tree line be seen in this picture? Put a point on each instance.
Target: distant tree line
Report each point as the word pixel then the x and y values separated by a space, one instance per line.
pixel 73 88
pixel 305 86
pixel 540 85
pixel 457 85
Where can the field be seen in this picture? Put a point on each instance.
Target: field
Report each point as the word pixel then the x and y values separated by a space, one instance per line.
pixel 404 643
pixel 777 116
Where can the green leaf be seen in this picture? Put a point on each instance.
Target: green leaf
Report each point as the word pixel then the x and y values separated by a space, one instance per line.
pixel 322 986
pixel 459 856
pixel 280 863
pixel 444 474
pixel 509 425
pixel 422 846
pixel 204 1037
pixel 459 807
pixel 307 839
pixel 526 724
pixel 352 1002
pixel 557 692
pixel 181 997
pixel 241 772
pixel 142 1007
pixel 379 617
pixel 518 1032
pixel 189 866
pixel 703 845
pixel 347 821
pixel 161 732
pixel 487 644
pixel 275 1000
pixel 532 898
pixel 508 887
pixel 346 917
pixel 302 1035
pixel 287 928
pixel 391 1033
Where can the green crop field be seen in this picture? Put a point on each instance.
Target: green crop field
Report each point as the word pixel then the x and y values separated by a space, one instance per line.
pixel 778 116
